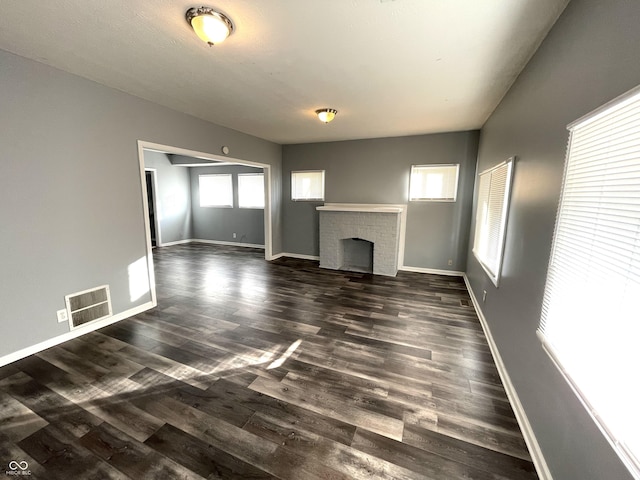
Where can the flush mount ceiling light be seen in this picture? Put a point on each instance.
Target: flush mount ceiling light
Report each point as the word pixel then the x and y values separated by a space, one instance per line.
pixel 326 114
pixel 211 26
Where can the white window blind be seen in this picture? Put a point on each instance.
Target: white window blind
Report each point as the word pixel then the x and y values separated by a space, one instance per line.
pixel 216 190
pixel 494 186
pixel 307 185
pixel 434 183
pixel 251 190
pixel 590 322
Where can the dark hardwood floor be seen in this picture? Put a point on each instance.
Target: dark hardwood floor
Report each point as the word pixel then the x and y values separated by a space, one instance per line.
pixel 256 370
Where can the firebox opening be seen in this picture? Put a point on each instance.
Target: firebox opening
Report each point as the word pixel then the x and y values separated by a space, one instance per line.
pixel 357 255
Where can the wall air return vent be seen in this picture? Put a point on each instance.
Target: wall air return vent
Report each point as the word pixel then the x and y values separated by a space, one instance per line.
pixel 88 306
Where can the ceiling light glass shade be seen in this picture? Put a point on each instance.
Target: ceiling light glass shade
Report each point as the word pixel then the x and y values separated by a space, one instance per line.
pixel 210 26
pixel 326 114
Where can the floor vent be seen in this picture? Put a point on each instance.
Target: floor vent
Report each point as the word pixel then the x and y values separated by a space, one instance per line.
pixel 89 306
pixel 465 303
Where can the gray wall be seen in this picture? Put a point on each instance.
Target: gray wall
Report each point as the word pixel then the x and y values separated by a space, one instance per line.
pixel 210 223
pixel 70 190
pixel 377 171
pixel 173 196
pixel 589 58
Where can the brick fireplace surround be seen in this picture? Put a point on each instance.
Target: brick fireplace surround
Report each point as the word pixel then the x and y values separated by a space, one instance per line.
pixel 379 224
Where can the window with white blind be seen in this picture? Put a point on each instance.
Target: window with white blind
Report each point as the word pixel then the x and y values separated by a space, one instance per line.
pixel 307 185
pixel 590 323
pixel 436 183
pixel 494 186
pixel 251 190
pixel 216 190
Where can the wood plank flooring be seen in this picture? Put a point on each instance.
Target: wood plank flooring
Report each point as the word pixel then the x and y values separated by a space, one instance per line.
pixel 258 370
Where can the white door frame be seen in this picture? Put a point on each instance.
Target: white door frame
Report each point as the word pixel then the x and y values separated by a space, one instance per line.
pixel 268 231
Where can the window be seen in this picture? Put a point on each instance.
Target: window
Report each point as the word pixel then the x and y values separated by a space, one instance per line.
pixel 307 185
pixel 491 217
pixel 216 190
pixel 590 324
pixel 434 183
pixel 251 190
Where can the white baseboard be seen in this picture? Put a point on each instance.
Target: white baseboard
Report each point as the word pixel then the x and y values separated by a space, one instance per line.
pixel 452 273
pixel 220 242
pixel 527 432
pixel 90 327
pixel 434 271
pixel 296 255
pixel 177 242
pixel 215 242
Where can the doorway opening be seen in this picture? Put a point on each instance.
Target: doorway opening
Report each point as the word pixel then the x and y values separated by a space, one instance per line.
pixel 151 197
pixel 151 183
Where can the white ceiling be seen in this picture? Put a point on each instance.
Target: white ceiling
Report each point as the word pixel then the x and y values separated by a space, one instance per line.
pixel 390 67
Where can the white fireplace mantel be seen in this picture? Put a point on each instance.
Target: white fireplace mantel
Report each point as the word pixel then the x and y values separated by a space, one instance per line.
pixel 359 208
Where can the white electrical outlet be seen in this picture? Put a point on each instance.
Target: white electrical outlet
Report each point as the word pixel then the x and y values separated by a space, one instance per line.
pixel 484 296
pixel 234 235
pixel 62 316
pixel 450 262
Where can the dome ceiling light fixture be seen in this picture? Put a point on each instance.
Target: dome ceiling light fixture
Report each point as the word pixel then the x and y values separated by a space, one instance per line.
pixel 211 26
pixel 326 114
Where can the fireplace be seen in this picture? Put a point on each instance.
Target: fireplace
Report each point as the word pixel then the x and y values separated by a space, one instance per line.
pixel 361 238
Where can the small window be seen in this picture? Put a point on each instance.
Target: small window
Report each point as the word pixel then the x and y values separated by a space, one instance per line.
pixel 307 185
pixel 491 218
pixel 434 183
pixel 251 190
pixel 216 190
